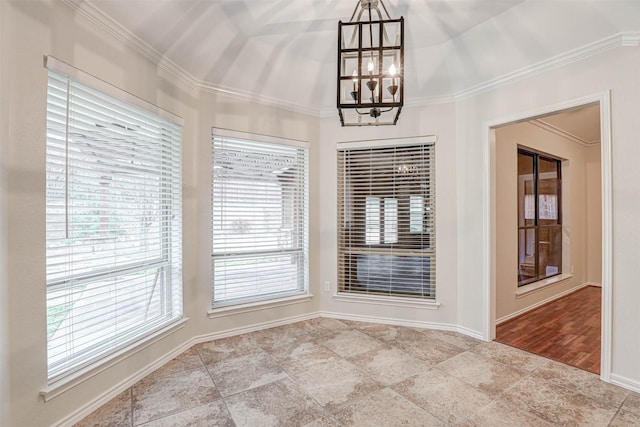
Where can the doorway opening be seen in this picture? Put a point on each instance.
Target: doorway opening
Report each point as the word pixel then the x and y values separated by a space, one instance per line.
pixel 549 233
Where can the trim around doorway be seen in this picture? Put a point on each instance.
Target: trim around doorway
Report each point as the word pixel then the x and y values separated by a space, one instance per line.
pixel 489 223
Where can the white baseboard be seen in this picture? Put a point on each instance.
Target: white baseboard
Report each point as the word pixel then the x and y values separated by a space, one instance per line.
pixel 540 303
pixel 73 380
pixel 253 328
pixel 471 333
pixel 123 385
pixel 624 382
pixel 389 321
pixel 105 397
pixel 403 322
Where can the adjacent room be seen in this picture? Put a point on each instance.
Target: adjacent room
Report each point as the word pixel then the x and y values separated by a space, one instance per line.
pixel 319 212
pixel 548 175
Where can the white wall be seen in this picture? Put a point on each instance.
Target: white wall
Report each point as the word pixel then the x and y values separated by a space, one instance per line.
pixel 615 70
pixel 581 230
pixel 34 29
pixel 225 112
pixel 30 30
pixel 434 120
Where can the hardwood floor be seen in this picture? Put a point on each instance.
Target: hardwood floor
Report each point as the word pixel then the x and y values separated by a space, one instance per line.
pixel 566 330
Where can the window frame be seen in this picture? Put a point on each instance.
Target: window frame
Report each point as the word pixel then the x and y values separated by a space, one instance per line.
pixel 536 227
pixel 301 251
pixel 167 262
pixel 398 252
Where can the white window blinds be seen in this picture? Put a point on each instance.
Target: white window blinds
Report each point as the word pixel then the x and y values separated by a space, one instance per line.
pixel 114 224
pixel 386 214
pixel 260 220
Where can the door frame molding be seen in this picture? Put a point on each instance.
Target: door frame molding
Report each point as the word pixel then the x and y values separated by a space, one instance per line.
pixel 489 223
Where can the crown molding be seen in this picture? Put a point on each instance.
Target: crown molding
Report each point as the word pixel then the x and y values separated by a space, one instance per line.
pixel 260 99
pixel 431 100
pixel 562 133
pixel 116 30
pixel 113 28
pixel 120 33
pixel 566 58
pixel 411 103
pixel 630 39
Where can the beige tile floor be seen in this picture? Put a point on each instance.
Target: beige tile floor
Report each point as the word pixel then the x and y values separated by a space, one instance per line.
pixel 327 372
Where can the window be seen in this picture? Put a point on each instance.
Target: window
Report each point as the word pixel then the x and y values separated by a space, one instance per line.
pixel 386 206
pixel 113 224
pixel 260 218
pixel 416 209
pixel 373 220
pixel 375 216
pixel 539 217
pixel 390 220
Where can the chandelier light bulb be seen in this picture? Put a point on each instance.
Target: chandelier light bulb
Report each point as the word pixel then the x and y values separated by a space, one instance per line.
pixel 392 70
pixel 370 66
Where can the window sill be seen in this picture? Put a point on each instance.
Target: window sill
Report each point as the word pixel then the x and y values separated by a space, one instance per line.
pixel 227 310
pixel 388 301
pixel 542 284
pixel 65 384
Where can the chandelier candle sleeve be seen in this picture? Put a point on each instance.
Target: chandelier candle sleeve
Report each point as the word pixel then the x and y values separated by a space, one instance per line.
pixel 354 94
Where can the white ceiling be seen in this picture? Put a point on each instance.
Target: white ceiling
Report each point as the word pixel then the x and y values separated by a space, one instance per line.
pixel 284 51
pixel 581 125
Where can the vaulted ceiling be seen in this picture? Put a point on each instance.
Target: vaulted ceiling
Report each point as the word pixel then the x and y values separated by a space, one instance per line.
pixel 284 51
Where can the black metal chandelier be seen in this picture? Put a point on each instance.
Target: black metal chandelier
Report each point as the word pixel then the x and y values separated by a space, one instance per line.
pixel 370 66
